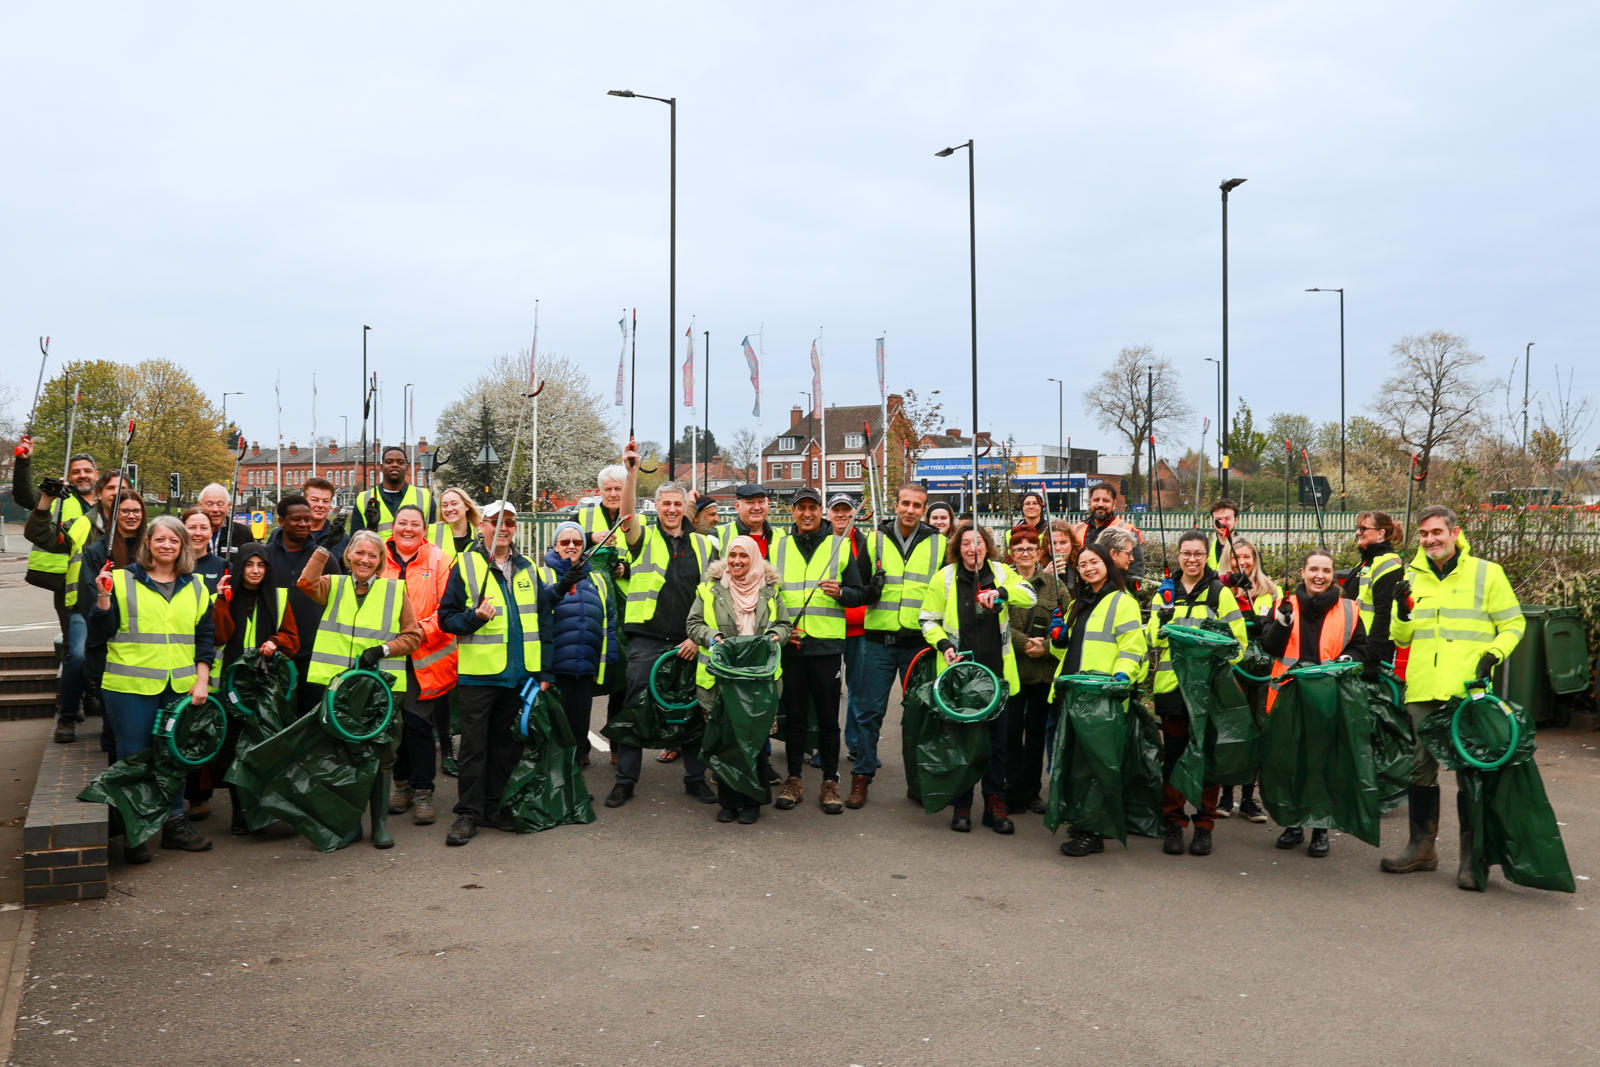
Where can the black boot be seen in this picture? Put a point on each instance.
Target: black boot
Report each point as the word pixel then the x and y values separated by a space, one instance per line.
pixel 1291 837
pixel 1319 844
pixel 1420 854
pixel 1466 877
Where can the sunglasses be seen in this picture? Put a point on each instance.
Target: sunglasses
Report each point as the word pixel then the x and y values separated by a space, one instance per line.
pixel 567 541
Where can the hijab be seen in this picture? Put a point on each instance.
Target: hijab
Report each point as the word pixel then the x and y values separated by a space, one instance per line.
pixel 745 592
pixel 261 601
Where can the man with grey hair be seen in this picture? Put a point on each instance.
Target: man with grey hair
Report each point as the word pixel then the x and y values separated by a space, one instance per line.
pixel 667 559
pixel 596 520
pixel 214 501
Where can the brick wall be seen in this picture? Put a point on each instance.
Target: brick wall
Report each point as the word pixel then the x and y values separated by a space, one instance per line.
pixel 64 839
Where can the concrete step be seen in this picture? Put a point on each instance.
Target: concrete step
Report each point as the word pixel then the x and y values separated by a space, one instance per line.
pixel 24 659
pixel 27 706
pixel 27 681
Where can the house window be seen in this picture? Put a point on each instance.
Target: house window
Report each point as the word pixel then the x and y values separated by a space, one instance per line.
pixel 816 468
pixel 833 468
pixel 852 468
pixel 788 444
pixel 855 440
pixel 794 471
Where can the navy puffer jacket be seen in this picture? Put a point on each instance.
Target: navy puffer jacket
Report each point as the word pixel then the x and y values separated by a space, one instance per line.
pixel 579 626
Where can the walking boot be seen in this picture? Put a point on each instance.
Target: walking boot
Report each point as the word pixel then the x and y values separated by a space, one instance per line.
pixel 1200 843
pixel 66 730
pixel 995 817
pixel 1319 844
pixel 133 855
pixel 961 821
pixel 422 813
pixel 380 812
pixel 1466 878
pixel 794 791
pixel 400 797
pixel 1423 814
pixel 829 801
pixel 180 833
pixel 858 791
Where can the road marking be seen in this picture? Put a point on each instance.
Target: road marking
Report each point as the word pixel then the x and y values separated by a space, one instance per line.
pixel 29 626
pixel 598 742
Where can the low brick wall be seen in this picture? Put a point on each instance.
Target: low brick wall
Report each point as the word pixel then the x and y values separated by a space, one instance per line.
pixel 64 839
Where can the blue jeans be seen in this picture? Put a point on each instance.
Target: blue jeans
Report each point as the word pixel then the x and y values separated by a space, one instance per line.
pixel 855 667
pixel 72 666
pixel 880 665
pixel 132 715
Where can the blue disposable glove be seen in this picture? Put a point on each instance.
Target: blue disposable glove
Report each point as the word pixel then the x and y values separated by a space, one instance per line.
pixel 1120 677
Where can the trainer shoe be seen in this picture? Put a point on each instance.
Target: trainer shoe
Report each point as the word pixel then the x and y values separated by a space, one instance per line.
pixel 1082 843
pixel 1251 809
pixel 180 833
pixel 620 794
pixel 700 789
pixel 464 829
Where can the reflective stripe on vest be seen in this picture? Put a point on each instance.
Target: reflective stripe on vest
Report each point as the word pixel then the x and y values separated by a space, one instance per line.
pixel 905 582
pixel 78 535
pixel 1338 629
pixel 249 641
pixel 483 654
pixel 350 625
pixel 67 510
pixel 650 572
pixel 1382 566
pixel 798 580
pixel 154 643
pixel 442 535
pixel 420 497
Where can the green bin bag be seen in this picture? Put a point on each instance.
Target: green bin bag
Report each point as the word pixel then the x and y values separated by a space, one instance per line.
pixel 743 710
pixel 258 692
pixel 1513 823
pixel 143 786
pixel 1393 740
pixel 665 714
pixel 1086 768
pixel 311 774
pixel 1141 771
pixel 916 704
pixel 1318 768
pixel 546 788
pixel 1224 742
pixel 953 747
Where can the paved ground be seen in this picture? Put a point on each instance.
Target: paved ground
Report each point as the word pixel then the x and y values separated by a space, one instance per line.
pixel 656 936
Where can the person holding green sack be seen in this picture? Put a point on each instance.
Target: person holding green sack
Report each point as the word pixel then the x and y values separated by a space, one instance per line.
pixel 1257 594
pixel 967 609
pixel 1029 710
pixel 1464 622
pixel 1195 596
pixel 1315 607
pixel 1100 633
pixel 738 598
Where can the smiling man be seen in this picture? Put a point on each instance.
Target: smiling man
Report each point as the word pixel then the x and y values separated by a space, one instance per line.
pixel 375 508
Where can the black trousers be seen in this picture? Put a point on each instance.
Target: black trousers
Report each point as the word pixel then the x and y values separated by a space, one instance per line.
pixel 1025 717
pixel 811 685
pixel 577 698
pixel 993 782
pixel 417 763
pixel 489 748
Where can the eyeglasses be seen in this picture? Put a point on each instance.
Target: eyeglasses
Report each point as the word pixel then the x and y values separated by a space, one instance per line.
pixel 567 542
pixel 1024 548
pixel 1191 555
pixel 1366 529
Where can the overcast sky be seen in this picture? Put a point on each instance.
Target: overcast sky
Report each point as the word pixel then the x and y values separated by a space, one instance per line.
pixel 240 188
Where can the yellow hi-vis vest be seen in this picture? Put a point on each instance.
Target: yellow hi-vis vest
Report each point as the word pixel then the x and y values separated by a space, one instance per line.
pixel 707 595
pixel 483 654
pixel 941 619
pixel 1114 640
pixel 68 510
pixel 649 575
pixel 251 639
pixel 78 535
pixel 154 644
pixel 1381 567
pixel 798 578
pixel 348 628
pixel 442 537
pixel 1217 602
pixel 420 497
pixel 905 581
pixel 730 529
pixel 1457 618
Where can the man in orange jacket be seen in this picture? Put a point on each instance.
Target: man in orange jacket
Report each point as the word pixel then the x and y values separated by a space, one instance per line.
pixel 430 670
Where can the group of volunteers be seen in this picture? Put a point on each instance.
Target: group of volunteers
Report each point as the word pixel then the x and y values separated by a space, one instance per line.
pixel 433 591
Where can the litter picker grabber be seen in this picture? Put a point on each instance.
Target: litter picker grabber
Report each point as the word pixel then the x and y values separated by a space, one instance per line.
pixel 122 483
pixel 1316 501
pixel 516 437
pixel 72 425
pixel 1161 521
pixel 233 497
pixel 44 348
pixel 1413 479
pixel 633 390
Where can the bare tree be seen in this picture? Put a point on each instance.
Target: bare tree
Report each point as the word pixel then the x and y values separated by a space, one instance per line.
pixel 1136 397
pixel 744 451
pixel 917 417
pixel 1431 402
pixel 1570 416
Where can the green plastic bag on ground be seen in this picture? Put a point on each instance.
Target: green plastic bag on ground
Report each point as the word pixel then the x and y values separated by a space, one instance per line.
pixel 1141 772
pixel 743 710
pixel 1318 770
pixel 1086 775
pixel 916 704
pixel 953 746
pixel 1231 738
pixel 310 774
pixel 546 787
pixel 646 722
pixel 143 786
pixel 1392 740
pixel 258 692
pixel 1513 823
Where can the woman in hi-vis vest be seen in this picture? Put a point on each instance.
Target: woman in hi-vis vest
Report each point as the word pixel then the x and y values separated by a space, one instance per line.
pixel 154 617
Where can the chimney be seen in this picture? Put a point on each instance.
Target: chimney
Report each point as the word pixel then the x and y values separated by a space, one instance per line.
pixel 794 416
pixel 953 431
pixel 294 449
pixel 333 446
pixel 422 445
pixel 255 448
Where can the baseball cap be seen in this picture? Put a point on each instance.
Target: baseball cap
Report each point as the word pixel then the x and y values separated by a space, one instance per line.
pixel 805 492
pixel 493 510
pixel 840 498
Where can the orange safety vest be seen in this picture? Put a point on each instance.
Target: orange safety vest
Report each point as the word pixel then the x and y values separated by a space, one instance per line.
pixel 434 661
pixel 1338 629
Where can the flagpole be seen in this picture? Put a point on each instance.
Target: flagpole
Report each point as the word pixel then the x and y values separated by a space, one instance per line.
pixel 533 378
pixel 688 399
pixel 883 432
pixel 761 346
pixel 822 411
pixel 705 357
pixel 313 426
pixel 277 392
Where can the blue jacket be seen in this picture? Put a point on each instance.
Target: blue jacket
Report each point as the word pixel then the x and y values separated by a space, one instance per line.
pixel 580 626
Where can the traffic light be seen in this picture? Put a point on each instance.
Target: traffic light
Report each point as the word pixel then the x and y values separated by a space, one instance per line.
pixel 174 485
pixel 133 476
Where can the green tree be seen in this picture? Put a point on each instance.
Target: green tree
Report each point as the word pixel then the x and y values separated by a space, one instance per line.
pixel 176 428
pixel 1247 446
pixel 101 422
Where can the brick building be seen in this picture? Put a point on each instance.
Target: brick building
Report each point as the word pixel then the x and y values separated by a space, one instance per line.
pixel 795 456
pixel 258 471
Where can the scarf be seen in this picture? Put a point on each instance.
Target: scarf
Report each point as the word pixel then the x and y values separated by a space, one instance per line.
pixel 262 602
pixel 745 592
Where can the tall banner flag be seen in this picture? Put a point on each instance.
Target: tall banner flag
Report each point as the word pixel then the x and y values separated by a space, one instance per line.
pixel 622 357
pixel 816 380
pixel 882 396
pixel 755 375
pixel 688 369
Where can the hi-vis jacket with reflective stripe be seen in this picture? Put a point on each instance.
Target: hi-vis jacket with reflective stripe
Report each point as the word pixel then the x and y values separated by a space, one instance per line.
pixel 483 652
pixel 442 537
pixel 713 615
pixel 905 581
pixel 649 570
pixel 1114 640
pixel 941 620
pixel 798 579
pixel 352 624
pixel 729 530
pixel 1368 578
pixel 1457 618
pixel 66 511
pixel 426 576
pixel 422 498
pixel 1338 630
pixel 78 534
pixel 1208 600
pixel 157 641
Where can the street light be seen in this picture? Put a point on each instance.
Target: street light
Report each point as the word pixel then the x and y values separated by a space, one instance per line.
pixel 234 444
pixel 972 245
pixel 1341 388
pixel 1218 363
pixel 1527 356
pixel 1222 429
pixel 672 267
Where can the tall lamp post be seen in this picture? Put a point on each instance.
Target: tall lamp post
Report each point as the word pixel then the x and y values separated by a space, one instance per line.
pixel 1060 428
pixel 1527 356
pixel 972 246
pixel 234 445
pixel 1222 429
pixel 366 402
pixel 1340 291
pixel 672 268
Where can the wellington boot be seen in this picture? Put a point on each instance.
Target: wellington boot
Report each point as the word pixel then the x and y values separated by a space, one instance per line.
pixel 1420 854
pixel 380 813
pixel 1465 878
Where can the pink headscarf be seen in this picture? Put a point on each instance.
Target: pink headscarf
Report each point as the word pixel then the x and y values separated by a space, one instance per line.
pixel 746 591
